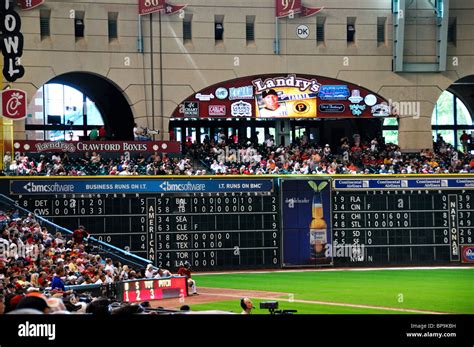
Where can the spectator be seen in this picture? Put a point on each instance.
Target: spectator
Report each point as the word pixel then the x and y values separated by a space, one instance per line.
pixel 163 273
pixel 464 141
pixel 79 235
pixel 57 282
pixel 7 160
pixel 150 272
pixel 246 305
pixel 94 134
pixel 102 133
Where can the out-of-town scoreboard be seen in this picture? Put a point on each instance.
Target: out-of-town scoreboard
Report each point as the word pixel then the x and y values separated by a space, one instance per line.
pixel 405 220
pixel 231 223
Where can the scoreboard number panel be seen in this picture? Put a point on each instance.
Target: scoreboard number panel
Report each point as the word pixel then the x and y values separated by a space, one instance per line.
pixel 211 230
pixel 404 221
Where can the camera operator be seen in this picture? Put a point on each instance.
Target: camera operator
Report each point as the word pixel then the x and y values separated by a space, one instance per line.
pixel 246 305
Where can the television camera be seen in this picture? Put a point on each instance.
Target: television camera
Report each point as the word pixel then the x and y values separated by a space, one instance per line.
pixel 272 307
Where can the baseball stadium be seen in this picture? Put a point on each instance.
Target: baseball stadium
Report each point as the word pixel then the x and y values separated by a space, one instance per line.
pixel 279 157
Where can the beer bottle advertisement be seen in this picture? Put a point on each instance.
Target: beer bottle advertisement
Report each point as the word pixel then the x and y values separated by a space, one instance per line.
pixel 306 222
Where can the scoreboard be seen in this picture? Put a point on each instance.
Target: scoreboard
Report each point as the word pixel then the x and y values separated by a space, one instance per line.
pixel 210 223
pixel 247 222
pixel 403 221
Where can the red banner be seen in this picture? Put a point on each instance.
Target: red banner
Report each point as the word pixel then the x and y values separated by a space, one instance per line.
pixel 97 146
pixel 150 6
pixel 29 4
pixel 13 104
pixel 171 9
pixel 309 11
pixel 283 96
pixel 285 8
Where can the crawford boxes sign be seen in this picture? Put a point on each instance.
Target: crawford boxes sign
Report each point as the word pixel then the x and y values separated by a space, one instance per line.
pixel 97 146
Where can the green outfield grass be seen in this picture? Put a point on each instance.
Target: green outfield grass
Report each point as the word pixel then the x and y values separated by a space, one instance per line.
pixel 443 290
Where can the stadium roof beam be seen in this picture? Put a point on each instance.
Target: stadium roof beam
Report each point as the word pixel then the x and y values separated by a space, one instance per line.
pixel 441 8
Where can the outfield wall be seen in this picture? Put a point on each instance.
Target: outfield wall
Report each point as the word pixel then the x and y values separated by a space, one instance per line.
pixel 237 222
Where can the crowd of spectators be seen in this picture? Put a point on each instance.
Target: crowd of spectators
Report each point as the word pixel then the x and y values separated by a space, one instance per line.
pixel 37 266
pixel 349 157
pixel 227 156
pixel 61 164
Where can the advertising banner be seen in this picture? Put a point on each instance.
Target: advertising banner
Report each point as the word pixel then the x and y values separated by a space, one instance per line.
pixel 272 96
pixel 421 183
pixel 117 186
pixel 306 208
pixel 289 97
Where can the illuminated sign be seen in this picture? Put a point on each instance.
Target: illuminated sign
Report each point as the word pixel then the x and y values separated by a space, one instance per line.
pixel 152 289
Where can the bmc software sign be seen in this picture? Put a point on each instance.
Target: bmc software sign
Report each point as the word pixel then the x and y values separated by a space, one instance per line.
pixel 117 186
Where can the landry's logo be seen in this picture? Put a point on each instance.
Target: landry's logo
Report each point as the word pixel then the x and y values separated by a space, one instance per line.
pixel 62 146
pixel 290 81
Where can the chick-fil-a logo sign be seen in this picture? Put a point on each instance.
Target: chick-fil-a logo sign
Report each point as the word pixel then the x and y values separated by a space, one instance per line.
pixel 13 103
pixel 11 42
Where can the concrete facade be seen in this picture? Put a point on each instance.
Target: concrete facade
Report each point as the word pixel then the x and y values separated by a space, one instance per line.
pixel 187 68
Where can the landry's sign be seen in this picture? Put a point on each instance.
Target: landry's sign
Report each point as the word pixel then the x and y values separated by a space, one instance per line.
pixel 97 146
pixel 284 96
